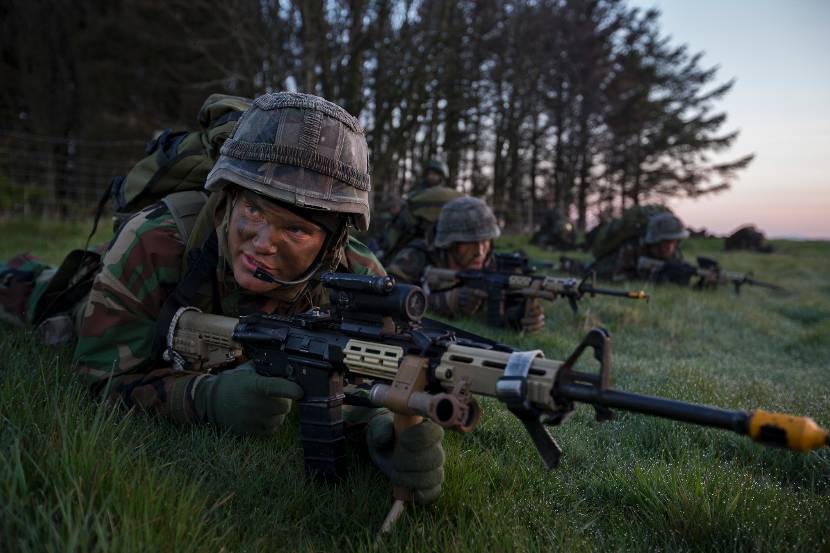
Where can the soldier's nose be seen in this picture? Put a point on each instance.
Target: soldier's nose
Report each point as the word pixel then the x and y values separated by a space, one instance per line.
pixel 264 243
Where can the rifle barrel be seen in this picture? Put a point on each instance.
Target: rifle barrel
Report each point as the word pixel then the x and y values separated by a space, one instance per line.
pixel 630 294
pixel 762 284
pixel 772 429
pixel 736 421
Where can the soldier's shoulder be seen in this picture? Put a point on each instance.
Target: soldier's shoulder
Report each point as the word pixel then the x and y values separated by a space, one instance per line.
pixel 409 263
pixel 415 251
pixel 153 229
pixel 359 258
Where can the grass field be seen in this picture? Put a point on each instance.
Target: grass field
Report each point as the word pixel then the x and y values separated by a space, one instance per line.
pixel 78 475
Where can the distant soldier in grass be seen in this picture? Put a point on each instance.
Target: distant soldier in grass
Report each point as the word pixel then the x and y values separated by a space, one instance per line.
pixel 749 238
pixel 289 184
pixel 663 233
pixel 556 231
pixel 464 237
pixel 416 217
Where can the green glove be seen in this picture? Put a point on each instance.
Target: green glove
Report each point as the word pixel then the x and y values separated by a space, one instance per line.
pixel 457 301
pixel 526 316
pixel 415 461
pixel 245 402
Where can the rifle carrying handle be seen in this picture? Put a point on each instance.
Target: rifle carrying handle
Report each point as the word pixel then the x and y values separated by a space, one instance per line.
pixel 402 423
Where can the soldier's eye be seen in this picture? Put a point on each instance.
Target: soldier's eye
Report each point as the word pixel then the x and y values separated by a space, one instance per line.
pixel 296 229
pixel 252 208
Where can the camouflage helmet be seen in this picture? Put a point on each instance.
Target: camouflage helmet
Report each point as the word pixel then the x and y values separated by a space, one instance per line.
pixel 665 226
pixel 465 219
pixel 438 166
pixel 302 150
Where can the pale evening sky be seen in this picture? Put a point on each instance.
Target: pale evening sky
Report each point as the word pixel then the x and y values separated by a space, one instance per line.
pixel 779 54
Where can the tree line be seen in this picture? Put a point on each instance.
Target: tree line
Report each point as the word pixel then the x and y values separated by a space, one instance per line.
pixel 580 106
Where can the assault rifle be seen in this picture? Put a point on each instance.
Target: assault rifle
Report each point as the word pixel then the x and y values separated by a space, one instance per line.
pixel 421 368
pixel 513 280
pixel 708 272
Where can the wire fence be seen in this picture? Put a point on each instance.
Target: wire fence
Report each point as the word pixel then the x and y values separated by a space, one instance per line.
pixel 58 177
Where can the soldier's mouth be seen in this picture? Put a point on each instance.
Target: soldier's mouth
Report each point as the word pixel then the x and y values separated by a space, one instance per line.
pixel 252 264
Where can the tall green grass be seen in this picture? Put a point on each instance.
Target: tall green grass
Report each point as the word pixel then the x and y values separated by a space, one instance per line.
pixel 79 475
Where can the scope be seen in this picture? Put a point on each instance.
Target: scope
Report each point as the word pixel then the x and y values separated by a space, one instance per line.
pixel 374 295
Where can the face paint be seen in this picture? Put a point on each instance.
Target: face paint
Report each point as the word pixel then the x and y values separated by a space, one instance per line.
pixel 434 178
pixel 469 255
pixel 268 242
pixel 665 249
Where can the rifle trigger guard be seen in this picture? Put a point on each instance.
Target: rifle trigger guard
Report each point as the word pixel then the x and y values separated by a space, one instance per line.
pixel 511 388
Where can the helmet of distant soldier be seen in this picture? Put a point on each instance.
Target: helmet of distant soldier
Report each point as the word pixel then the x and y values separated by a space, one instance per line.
pixel 301 150
pixel 665 226
pixel 438 166
pixel 465 219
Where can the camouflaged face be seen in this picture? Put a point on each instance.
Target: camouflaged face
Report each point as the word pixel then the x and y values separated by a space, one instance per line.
pixel 140 270
pixel 302 150
pixel 465 219
pixel 622 263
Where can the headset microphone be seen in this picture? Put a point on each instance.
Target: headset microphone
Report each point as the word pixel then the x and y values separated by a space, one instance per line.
pixel 264 276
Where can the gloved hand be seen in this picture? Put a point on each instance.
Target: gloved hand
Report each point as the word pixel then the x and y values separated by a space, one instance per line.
pixel 526 316
pixel 414 461
pixel 243 401
pixel 457 301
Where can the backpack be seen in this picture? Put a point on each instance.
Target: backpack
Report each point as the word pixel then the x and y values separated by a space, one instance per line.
pixel 175 162
pixel 174 172
pixel 748 238
pixel 417 219
pixel 632 225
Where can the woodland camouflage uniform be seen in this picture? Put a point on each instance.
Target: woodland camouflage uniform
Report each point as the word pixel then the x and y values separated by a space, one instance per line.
pixel 328 173
pixel 145 261
pixel 622 263
pixel 748 238
pixel 139 271
pixel 409 264
pixel 462 220
pixel 555 231
pixel 309 157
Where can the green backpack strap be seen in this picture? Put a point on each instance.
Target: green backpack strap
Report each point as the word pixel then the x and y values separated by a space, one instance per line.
pixel 185 208
pixel 201 227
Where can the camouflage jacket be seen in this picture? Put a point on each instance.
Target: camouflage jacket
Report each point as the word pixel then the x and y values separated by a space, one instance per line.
pixel 409 264
pixel 140 270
